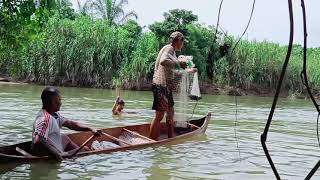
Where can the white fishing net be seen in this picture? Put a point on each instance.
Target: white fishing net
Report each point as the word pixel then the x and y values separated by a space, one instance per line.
pixel 195 89
pixel 131 139
pixel 188 90
pixel 97 146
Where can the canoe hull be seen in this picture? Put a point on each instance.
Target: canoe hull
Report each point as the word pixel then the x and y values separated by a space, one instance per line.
pixel 9 154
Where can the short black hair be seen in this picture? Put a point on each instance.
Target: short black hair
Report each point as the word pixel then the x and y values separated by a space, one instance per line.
pixel 121 102
pixel 47 94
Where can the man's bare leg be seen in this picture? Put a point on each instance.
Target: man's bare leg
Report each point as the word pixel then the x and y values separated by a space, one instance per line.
pixel 155 125
pixel 69 145
pixel 170 122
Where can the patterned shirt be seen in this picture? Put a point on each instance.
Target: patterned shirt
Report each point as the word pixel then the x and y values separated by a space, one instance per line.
pixel 164 67
pixel 48 126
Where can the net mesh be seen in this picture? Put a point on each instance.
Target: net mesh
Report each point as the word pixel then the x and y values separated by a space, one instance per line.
pixel 188 89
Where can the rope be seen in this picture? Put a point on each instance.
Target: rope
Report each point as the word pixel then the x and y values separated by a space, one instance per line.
pixel 263 137
pixel 304 79
pixel 210 63
pixel 244 32
pixel 194 107
pixel 217 26
pixel 235 127
pixel 318 129
pixel 237 69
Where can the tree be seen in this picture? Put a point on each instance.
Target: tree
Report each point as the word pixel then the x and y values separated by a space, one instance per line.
pixel 15 32
pixel 175 20
pixel 61 7
pixel 64 9
pixel 201 39
pixel 111 10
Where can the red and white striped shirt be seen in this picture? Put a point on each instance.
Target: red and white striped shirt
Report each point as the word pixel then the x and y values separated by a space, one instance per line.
pixel 48 126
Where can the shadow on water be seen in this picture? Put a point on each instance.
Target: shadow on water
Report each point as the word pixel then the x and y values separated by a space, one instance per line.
pixel 36 170
pixel 4 168
pixel 44 170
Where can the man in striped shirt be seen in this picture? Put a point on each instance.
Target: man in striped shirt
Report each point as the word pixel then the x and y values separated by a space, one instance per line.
pixel 46 137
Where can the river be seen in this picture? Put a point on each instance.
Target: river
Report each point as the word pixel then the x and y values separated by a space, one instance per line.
pixel 230 149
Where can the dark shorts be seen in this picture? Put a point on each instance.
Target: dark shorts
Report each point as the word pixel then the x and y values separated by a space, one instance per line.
pixel 39 149
pixel 162 98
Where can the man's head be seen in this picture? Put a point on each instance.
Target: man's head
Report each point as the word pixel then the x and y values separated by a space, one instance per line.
pixel 120 105
pixel 177 40
pixel 51 100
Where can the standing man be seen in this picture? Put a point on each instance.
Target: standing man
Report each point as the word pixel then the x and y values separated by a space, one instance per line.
pixel 163 84
pixel 46 136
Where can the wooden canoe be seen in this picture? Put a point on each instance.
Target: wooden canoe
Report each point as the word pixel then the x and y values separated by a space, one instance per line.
pixel 21 152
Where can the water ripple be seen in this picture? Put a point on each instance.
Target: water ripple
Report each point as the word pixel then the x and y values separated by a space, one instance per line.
pixel 220 154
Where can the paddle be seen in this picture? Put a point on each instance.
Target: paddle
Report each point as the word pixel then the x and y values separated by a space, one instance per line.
pixel 23 152
pixel 82 145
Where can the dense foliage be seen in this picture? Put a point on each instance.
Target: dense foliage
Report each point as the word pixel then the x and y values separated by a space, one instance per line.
pixel 50 43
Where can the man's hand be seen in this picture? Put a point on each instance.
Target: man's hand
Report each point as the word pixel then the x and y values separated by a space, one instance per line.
pixel 96 132
pixel 69 154
pixel 35 139
pixel 192 70
pixel 49 145
pixel 183 64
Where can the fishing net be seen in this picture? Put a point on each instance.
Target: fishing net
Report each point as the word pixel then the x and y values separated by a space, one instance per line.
pixel 188 89
pixel 131 139
pixel 103 145
pixel 195 89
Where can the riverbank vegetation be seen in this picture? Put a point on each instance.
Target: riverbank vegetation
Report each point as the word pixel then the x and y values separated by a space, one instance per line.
pixel 100 45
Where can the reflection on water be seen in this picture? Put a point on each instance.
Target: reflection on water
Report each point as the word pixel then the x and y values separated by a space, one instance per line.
pixel 292 141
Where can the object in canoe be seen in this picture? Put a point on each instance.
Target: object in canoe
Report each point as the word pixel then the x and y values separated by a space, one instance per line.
pixel 183 129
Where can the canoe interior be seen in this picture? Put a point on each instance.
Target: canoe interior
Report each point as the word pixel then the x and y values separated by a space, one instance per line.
pixel 143 129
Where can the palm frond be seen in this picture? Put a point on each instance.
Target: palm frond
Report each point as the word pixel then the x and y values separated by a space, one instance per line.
pixel 85 8
pixel 121 3
pixel 129 15
pixel 111 10
pixel 98 8
pixel 118 12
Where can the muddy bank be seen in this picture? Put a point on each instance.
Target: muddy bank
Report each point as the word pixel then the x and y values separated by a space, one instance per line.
pixel 9 80
pixel 5 79
pixel 214 89
pixel 205 88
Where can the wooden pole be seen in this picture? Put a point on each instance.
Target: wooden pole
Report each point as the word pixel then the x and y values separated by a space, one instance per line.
pixel 192 125
pixel 82 145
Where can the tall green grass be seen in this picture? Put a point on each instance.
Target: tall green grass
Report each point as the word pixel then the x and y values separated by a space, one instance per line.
pixel 141 66
pixel 83 52
pixel 91 52
pixel 260 63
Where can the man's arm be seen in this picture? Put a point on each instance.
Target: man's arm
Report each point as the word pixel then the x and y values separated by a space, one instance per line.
pixel 74 125
pixel 114 111
pixel 167 59
pixel 48 144
pixel 77 126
